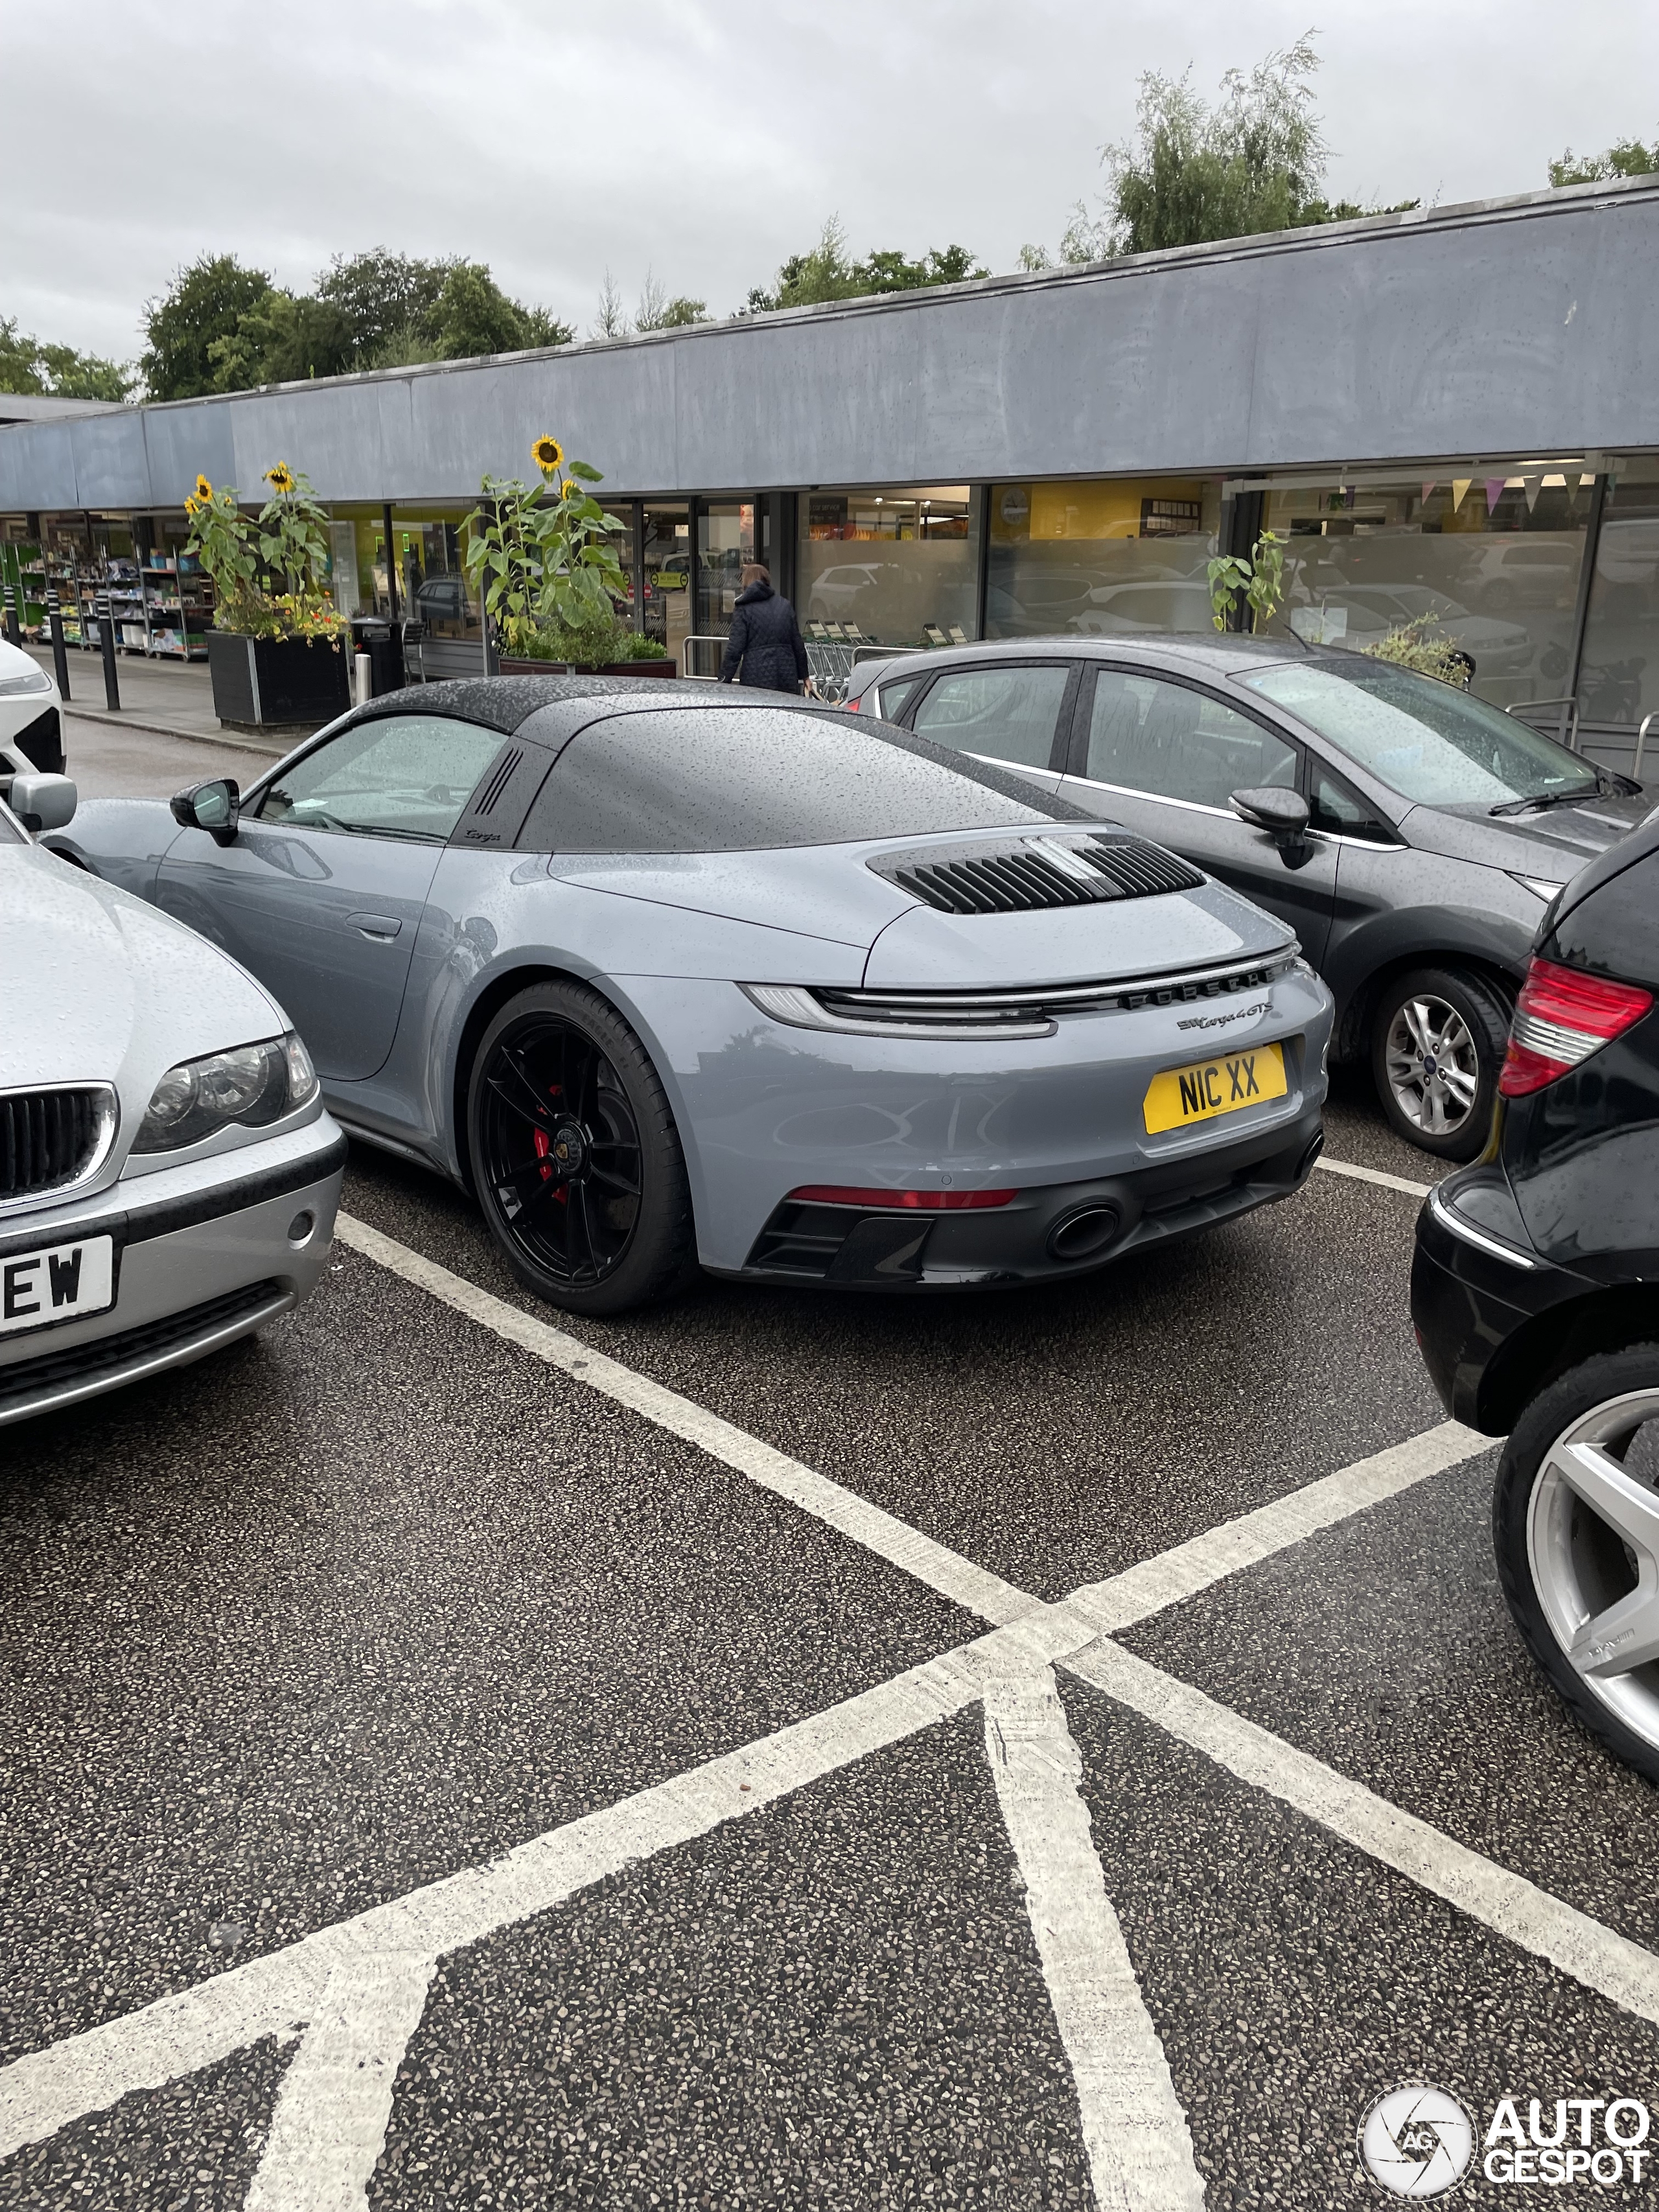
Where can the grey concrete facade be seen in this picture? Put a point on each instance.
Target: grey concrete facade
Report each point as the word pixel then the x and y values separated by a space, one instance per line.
pixel 1526 326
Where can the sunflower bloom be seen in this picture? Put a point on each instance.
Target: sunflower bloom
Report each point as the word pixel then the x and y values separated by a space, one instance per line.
pixel 280 478
pixel 547 454
pixel 204 490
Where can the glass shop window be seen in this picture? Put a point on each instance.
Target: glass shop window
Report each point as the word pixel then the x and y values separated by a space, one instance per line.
pixel 1490 563
pixel 1101 558
pixel 892 567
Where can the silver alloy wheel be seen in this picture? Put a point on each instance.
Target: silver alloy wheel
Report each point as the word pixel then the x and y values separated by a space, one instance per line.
pixel 1593 1551
pixel 1433 1069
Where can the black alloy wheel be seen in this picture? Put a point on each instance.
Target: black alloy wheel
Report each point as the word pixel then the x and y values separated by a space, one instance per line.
pixel 574 1154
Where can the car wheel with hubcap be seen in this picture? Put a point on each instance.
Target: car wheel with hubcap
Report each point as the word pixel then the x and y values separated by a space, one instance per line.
pixel 1438 1038
pixel 1575 1527
pixel 574 1155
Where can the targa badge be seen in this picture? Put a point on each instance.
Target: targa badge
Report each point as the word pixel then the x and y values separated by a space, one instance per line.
pixel 1417 2141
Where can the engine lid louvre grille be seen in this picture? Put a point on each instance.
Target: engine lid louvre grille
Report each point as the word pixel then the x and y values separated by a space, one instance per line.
pixel 1038 873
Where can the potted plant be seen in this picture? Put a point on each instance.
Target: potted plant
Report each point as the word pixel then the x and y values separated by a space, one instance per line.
pixel 275 649
pixel 541 557
pixel 1257 584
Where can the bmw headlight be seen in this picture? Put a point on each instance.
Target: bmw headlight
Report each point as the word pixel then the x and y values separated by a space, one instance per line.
pixel 252 1084
pixel 26 681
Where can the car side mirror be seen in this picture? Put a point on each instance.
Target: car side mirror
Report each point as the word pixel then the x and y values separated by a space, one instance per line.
pixel 43 802
pixel 212 807
pixel 1283 814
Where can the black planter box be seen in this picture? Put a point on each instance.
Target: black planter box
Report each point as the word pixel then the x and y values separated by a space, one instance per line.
pixel 262 680
pixel 666 667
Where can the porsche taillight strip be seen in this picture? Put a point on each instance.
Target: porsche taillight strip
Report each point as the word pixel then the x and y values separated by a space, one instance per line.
pixel 992 1007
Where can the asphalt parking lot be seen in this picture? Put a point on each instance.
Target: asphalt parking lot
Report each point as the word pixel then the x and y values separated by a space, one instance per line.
pixel 1035 1750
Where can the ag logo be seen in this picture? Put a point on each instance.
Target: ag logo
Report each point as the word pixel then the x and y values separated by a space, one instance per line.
pixel 1416 2140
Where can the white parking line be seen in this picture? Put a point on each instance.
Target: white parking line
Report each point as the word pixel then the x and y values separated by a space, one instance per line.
pixel 1373 1175
pixel 1188 1568
pixel 330 2123
pixel 1140 2152
pixel 328 2128
pixel 1507 1903
pixel 987 1595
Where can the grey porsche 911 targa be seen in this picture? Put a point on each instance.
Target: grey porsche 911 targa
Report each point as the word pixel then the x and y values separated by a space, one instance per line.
pixel 670 977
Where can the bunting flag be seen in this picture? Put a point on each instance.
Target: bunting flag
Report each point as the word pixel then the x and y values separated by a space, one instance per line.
pixel 1494 492
pixel 1460 491
pixel 1529 485
pixel 1427 489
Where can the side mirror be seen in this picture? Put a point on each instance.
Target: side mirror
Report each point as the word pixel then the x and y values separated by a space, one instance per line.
pixel 211 806
pixel 43 802
pixel 1282 814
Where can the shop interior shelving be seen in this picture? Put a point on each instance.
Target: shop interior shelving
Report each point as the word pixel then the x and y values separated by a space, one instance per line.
pixel 159 609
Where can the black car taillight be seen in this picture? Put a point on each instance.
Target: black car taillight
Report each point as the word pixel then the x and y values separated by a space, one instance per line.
pixel 1562 1016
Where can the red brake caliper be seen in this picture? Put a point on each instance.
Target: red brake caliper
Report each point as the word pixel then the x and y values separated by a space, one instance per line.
pixel 545 1145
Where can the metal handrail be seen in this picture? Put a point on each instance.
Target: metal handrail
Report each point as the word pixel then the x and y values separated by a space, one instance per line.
pixel 1569 721
pixel 1641 739
pixel 697 675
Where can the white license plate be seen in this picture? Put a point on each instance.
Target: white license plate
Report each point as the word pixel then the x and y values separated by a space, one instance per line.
pixel 60 1282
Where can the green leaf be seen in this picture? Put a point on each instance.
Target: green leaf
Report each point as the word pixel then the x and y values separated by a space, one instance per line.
pixel 581 469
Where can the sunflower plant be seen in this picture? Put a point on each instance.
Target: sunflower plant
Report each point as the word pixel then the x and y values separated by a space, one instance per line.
pixel 540 554
pixel 268 575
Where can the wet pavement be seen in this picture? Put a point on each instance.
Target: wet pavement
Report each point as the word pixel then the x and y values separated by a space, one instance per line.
pixel 294 1638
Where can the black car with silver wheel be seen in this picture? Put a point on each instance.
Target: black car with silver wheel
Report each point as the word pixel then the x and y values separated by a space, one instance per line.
pixel 1410 834
pixel 1536 1293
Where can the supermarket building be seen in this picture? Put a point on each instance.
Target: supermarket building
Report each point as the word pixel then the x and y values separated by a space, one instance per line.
pixel 1453 414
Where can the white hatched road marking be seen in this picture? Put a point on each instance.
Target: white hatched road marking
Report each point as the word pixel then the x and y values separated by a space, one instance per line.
pixel 329 2125
pixel 1139 2150
pixel 353 1992
pixel 1507 1903
pixel 946 1571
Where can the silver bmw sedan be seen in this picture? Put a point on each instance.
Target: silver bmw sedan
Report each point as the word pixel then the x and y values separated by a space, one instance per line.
pixel 169 1174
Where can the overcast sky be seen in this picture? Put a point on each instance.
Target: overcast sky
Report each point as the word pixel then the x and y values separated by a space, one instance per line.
pixel 703 142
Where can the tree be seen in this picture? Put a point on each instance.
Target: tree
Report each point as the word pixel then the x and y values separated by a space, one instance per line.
pixel 28 364
pixel 283 340
pixel 1253 162
pixel 473 315
pixel 203 304
pixel 1629 158
pixel 657 311
pixel 824 272
pixel 374 310
pixel 381 297
pixel 611 321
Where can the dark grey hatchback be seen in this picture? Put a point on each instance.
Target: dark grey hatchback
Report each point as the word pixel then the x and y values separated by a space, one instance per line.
pixel 1411 834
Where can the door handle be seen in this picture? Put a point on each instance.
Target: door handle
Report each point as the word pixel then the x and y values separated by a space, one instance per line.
pixel 381 928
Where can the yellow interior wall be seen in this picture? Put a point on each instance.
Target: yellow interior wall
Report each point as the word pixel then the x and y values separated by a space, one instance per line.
pixel 1097 509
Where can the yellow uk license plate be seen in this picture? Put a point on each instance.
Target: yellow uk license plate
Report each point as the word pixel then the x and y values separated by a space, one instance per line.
pixel 1210 1087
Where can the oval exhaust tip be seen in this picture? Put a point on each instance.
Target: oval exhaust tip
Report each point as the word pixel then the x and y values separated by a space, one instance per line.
pixel 1085 1234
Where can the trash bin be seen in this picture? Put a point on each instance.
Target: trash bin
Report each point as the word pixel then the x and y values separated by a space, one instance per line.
pixel 385 650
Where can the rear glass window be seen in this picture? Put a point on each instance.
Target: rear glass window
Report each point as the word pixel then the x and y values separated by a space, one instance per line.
pixel 712 780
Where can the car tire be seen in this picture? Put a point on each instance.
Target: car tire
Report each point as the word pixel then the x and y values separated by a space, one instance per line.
pixel 574 1156
pixel 1439 1037
pixel 1562 1563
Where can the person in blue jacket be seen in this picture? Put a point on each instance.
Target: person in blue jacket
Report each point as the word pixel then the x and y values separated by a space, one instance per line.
pixel 765 650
